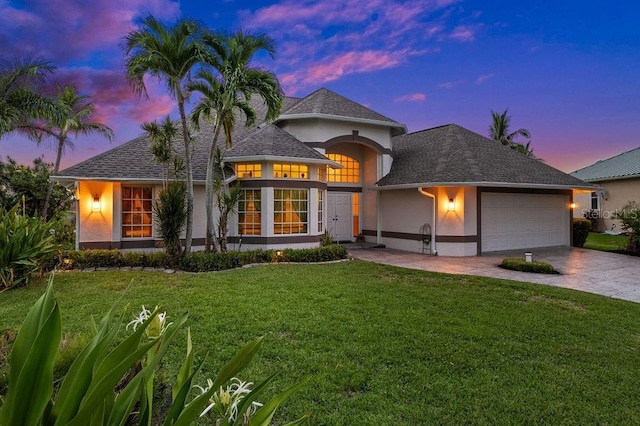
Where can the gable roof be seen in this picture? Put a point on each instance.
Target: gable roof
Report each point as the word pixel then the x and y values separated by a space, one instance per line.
pixel 269 142
pixel 325 103
pixel 132 161
pixel 622 166
pixel 452 155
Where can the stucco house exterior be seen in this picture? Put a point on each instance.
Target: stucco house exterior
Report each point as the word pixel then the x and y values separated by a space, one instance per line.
pixel 619 180
pixel 329 163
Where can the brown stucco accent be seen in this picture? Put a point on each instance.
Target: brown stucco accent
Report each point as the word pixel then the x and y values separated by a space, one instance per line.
pixel 418 237
pixel 282 183
pixel 344 189
pixel 354 137
pixel 130 244
pixel 289 239
pixel 480 190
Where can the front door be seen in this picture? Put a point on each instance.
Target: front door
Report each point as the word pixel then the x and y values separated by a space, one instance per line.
pixel 339 215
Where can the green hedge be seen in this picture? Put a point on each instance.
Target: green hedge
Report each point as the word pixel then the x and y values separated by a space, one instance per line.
pixel 517 264
pixel 581 228
pixel 197 261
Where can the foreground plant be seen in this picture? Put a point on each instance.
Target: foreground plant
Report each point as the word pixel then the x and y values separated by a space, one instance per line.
pixel 102 386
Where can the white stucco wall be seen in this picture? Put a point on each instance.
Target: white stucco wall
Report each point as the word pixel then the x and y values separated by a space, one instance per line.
pixel 321 130
pixel 95 226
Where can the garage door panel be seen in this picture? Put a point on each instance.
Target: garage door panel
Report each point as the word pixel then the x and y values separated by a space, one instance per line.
pixel 512 221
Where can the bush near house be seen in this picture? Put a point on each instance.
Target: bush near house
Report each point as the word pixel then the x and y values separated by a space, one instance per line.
pixel 581 228
pixel 630 218
pixel 516 264
pixel 197 261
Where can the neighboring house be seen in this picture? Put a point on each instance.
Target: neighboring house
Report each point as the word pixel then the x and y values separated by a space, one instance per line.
pixel 329 163
pixel 619 179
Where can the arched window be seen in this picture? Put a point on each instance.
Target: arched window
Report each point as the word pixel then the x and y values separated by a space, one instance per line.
pixel 350 173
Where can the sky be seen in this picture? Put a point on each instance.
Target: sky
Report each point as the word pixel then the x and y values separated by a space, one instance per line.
pixel 567 71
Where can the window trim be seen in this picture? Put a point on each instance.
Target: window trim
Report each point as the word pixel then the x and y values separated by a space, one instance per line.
pixel 257 191
pixel 304 224
pixel 151 214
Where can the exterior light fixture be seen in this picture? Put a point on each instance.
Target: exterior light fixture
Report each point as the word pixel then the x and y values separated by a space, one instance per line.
pixel 452 205
pixel 95 206
pixel 528 257
pixel 572 205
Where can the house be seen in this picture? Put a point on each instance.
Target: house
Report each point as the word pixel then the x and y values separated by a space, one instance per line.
pixel 619 180
pixel 329 163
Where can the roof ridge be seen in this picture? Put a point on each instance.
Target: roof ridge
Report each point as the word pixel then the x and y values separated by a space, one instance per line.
pixel 607 159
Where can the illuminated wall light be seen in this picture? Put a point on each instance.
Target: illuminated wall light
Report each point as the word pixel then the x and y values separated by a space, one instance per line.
pixel 572 205
pixel 452 205
pixel 95 206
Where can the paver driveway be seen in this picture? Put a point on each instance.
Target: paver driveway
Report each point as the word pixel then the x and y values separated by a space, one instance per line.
pixel 608 274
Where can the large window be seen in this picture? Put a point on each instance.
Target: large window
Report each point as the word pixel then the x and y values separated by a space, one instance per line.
pixel 249 219
pixel 350 173
pixel 137 212
pixel 293 171
pixel 248 171
pixel 290 211
pixel 595 201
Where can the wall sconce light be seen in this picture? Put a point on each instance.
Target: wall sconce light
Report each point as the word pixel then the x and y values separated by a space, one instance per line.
pixel 572 205
pixel 95 206
pixel 452 205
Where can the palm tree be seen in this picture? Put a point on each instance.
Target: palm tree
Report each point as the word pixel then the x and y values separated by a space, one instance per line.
pixel 229 92
pixel 161 136
pixel 168 53
pixel 20 100
pixel 74 118
pixel 499 131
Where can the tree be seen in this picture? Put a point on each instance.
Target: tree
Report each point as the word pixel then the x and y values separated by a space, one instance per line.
pixel 74 117
pixel 228 92
pixel 499 131
pixel 20 97
pixel 18 181
pixel 170 207
pixel 169 54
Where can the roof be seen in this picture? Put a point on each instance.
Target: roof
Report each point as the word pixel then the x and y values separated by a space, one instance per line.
pixel 453 155
pixel 324 102
pixel 132 161
pixel 271 141
pixel 622 166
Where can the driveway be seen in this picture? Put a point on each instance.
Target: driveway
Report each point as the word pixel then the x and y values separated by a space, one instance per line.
pixel 608 274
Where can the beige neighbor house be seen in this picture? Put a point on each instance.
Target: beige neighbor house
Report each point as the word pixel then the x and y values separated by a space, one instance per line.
pixel 619 181
pixel 329 163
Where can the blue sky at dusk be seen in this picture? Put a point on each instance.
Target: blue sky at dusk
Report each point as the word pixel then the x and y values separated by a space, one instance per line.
pixel 568 71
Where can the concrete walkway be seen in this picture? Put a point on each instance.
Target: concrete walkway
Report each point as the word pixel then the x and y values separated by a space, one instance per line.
pixel 608 274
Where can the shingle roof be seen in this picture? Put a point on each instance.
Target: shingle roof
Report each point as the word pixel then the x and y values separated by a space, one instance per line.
pixel 272 141
pixel 133 160
pixel 324 101
pixel 621 166
pixel 451 154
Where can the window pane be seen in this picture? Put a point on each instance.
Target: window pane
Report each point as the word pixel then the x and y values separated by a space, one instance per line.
pixel 137 209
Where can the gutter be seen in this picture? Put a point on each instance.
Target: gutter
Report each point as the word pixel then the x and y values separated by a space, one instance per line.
pixel 484 184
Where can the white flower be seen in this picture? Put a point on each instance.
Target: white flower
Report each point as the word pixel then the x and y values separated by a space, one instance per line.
pixel 224 403
pixel 156 328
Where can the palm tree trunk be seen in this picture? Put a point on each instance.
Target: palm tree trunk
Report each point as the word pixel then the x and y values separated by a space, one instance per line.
pixel 47 198
pixel 187 163
pixel 210 244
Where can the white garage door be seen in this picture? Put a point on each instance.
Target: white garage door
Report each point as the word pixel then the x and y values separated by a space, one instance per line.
pixel 520 221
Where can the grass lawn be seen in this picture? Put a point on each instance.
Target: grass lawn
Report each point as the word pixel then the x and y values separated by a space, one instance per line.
pixel 385 345
pixel 605 242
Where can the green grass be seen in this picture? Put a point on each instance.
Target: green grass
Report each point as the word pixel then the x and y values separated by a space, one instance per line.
pixel 605 242
pixel 385 345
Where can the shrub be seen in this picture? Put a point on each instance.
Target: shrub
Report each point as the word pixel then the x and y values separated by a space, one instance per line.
pixel 630 218
pixel 581 228
pixel 25 242
pixel 517 264
pixel 170 212
pixel 86 393
pixel 327 239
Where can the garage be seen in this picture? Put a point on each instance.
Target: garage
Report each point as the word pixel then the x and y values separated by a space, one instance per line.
pixel 511 221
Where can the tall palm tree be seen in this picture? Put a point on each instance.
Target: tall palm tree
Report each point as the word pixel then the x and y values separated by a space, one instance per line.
pixel 228 91
pixel 20 99
pixel 75 119
pixel 169 54
pixel 499 131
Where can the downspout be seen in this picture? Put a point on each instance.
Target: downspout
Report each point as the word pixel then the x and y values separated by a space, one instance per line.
pixel 433 220
pixel 77 215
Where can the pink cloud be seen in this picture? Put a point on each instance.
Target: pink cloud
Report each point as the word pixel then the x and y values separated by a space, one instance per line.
pixel 463 33
pixel 412 97
pixel 450 84
pixel 481 79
